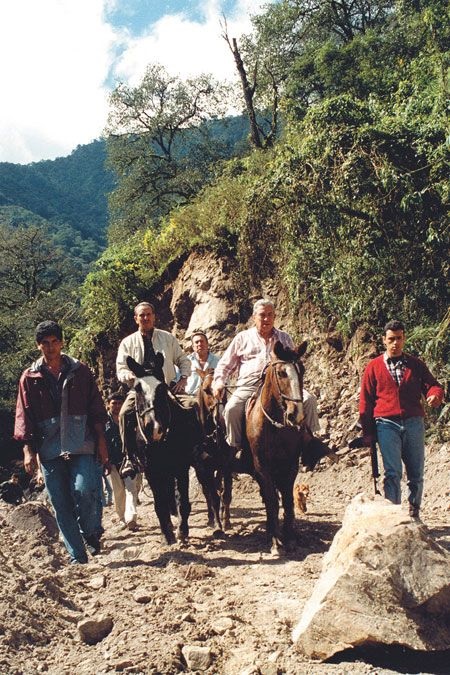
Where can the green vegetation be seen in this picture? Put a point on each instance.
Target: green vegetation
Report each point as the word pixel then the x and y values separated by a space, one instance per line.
pixel 347 205
pixel 66 191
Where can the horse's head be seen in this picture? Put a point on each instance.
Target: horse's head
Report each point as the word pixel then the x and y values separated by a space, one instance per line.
pixel 152 408
pixel 287 379
pixel 205 393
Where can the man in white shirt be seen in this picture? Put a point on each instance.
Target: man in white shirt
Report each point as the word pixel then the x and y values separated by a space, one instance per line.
pixel 246 358
pixel 142 346
pixel 201 359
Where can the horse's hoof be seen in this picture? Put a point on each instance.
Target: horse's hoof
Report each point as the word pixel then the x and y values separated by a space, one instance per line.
pixel 277 549
pixel 211 522
pixel 218 534
pixel 182 537
pixel 170 538
pixel 227 525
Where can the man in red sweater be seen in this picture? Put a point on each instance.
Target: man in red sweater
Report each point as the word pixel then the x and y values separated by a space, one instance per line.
pixel 391 412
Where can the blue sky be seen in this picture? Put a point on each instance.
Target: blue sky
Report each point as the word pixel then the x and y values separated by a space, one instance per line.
pixel 60 58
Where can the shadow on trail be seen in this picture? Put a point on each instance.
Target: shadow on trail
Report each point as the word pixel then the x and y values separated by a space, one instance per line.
pixel 441 535
pixel 398 658
pixel 245 547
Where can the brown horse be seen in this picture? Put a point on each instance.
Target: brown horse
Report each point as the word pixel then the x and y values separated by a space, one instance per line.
pixel 219 454
pixel 275 421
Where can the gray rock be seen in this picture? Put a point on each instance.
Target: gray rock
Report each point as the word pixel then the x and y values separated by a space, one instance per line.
pixel 197 658
pixel 384 581
pixel 92 631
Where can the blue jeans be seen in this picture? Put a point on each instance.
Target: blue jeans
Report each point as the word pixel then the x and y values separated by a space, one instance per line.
pixel 402 440
pixel 72 485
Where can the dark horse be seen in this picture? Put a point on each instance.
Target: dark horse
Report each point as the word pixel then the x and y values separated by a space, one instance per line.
pixel 166 435
pixel 219 455
pixel 278 437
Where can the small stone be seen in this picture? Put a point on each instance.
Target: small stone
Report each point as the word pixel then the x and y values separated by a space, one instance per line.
pixel 222 624
pixel 197 658
pixel 121 665
pixel 187 616
pixel 250 670
pixel 142 595
pixel 92 631
pixel 98 581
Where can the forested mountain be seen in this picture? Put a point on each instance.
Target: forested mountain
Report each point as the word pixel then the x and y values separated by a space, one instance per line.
pixel 69 190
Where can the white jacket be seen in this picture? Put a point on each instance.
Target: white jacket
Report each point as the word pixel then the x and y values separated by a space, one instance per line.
pixel 163 342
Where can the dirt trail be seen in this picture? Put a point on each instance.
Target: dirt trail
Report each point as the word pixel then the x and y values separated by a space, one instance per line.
pixel 227 595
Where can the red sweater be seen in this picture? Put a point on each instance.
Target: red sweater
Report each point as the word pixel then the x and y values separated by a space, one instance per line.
pixel 382 397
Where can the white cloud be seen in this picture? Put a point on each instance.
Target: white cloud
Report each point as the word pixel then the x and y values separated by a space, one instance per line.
pixel 56 56
pixel 185 47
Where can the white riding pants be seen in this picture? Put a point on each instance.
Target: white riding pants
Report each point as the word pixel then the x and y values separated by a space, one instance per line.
pixel 234 412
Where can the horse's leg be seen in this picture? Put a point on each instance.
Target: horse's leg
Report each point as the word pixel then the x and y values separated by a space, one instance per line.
pixel 199 473
pixel 183 503
pixel 161 489
pixel 286 485
pixel 205 474
pixel 270 498
pixel 227 489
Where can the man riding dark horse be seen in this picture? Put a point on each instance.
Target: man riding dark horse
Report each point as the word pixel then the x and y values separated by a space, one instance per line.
pixel 141 346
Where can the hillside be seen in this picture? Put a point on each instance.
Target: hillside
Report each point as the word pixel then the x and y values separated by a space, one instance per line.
pixel 74 190
pixel 70 190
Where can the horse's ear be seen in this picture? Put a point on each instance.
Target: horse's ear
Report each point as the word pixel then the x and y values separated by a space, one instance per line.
pixel 135 367
pixel 301 349
pixel 278 349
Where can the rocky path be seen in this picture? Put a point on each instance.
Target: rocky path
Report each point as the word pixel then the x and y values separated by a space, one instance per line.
pixel 220 606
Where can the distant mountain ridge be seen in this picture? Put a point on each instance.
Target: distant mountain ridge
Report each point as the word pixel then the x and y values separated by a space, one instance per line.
pixel 74 190
pixel 71 190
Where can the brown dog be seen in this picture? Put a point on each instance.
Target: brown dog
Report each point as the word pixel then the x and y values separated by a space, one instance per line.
pixel 301 493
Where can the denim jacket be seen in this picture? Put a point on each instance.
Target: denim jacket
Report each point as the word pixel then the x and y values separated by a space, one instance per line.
pixel 52 432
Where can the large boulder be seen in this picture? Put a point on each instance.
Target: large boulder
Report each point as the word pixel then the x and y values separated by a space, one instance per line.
pixel 384 581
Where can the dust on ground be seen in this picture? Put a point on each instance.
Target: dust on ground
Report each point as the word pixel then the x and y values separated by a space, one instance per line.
pixel 228 595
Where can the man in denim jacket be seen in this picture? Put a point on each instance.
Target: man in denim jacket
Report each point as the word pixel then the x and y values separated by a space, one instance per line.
pixel 60 417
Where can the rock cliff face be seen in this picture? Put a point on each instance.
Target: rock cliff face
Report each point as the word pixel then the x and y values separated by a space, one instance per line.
pixel 202 291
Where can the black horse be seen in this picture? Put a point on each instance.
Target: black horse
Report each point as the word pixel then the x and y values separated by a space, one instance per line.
pixel 169 440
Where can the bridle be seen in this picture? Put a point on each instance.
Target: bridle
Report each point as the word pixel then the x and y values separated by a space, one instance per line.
pixel 140 415
pixel 211 413
pixel 283 397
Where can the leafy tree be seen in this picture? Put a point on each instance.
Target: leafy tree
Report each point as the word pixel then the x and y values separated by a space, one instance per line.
pixel 159 146
pixel 287 31
pixel 37 282
pixel 29 265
